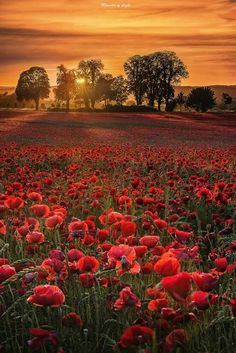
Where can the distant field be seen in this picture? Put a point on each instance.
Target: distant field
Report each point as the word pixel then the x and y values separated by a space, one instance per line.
pixel 85 128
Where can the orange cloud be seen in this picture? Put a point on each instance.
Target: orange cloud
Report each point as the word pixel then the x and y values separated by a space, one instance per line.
pixel 47 33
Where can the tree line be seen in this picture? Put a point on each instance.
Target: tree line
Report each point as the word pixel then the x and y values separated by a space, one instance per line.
pixel 150 78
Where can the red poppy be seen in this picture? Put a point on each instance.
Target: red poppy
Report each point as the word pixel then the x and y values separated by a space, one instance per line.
pixel 47 295
pixel 35 196
pixel 205 281
pixel 124 201
pixel 140 250
pixel 233 306
pixel 176 338
pixel 72 319
pixel 87 279
pixel 40 337
pixel 157 304
pixel 221 264
pixel 88 264
pixel 149 240
pixel 128 228
pixel 6 271
pixel 182 236
pixel 3 229
pixel 178 286
pixel 203 300
pixel 167 265
pixel 127 298
pixel 53 221
pixel 102 234
pixel 160 223
pixel 40 210
pixel 74 255
pixel 136 335
pixel 13 202
pixel 35 237
pixel 3 261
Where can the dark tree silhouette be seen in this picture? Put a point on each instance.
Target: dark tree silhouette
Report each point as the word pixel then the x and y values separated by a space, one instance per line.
pixel 173 70
pixel 33 84
pixel 181 100
pixel 201 99
pixel 121 89
pixel 66 85
pixel 90 71
pixel 153 76
pixel 104 90
pixel 134 69
pixel 226 98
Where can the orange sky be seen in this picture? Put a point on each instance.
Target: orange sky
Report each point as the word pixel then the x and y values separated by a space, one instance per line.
pixel 48 33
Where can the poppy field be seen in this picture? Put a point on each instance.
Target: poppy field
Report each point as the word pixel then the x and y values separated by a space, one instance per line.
pixel 117 234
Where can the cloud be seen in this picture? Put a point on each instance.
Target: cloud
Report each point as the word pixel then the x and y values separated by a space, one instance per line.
pixel 203 34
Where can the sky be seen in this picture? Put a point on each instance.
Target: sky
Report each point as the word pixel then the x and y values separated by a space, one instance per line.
pixel 49 33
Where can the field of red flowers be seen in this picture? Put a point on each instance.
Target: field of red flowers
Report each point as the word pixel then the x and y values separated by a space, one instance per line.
pixel 117 234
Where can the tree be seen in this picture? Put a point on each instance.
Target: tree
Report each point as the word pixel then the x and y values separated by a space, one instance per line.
pixel 180 100
pixel 154 76
pixel 121 89
pixel 104 90
pixel 134 69
pixel 66 85
pixel 226 98
pixel 201 99
pixel 172 71
pixel 90 70
pixel 33 84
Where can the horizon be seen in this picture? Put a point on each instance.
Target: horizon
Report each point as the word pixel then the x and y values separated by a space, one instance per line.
pixel 46 34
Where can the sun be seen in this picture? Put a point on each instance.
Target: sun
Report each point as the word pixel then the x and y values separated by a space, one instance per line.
pixel 81 81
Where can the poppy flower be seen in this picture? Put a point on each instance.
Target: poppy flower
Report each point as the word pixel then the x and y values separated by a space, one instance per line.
pixel 205 281
pixel 157 304
pixel 35 237
pixel 35 196
pixel 176 338
pixel 87 280
pixel 167 266
pixel 13 202
pixel 154 293
pixel 72 319
pixel 136 335
pixel 221 264
pixel 140 250
pixel 6 271
pixel 74 255
pixel 149 240
pixel 178 286
pixel 3 261
pixel 102 234
pixel 124 201
pixel 40 337
pixel 3 229
pixel 128 228
pixel 233 306
pixel 160 223
pixel 77 229
pixel 203 300
pixel 40 210
pixel 182 236
pixel 53 221
pixel 47 295
pixel 88 264
pixel 127 298
pixel 113 217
